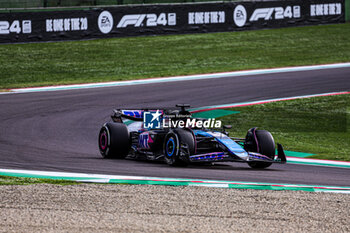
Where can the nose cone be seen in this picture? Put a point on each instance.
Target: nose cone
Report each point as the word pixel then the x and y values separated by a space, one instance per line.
pixel 243 155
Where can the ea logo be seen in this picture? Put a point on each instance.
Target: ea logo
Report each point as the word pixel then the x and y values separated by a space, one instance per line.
pixel 105 22
pixel 240 16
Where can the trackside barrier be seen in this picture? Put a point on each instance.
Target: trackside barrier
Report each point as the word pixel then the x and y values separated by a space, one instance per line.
pixel 137 20
pixel 347 10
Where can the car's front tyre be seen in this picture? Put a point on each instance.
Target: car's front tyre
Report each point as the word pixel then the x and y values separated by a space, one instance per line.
pixel 260 141
pixel 178 145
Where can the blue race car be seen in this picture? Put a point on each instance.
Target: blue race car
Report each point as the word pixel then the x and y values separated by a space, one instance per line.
pixel 178 145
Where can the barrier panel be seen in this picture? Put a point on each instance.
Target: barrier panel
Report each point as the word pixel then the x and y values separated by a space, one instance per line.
pixel 140 20
pixel 347 10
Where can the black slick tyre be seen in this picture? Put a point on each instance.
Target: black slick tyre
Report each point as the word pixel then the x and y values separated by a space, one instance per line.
pixel 114 140
pixel 178 145
pixel 265 144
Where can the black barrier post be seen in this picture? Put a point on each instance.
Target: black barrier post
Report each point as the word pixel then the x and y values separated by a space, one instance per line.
pixel 45 3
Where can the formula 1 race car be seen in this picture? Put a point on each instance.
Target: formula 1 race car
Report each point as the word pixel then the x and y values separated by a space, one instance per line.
pixel 168 137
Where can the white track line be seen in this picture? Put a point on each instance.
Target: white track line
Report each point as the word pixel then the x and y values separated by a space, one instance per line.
pixel 98 178
pixel 249 103
pixel 179 78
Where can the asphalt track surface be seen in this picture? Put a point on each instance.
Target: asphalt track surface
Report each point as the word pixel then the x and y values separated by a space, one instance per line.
pixel 57 131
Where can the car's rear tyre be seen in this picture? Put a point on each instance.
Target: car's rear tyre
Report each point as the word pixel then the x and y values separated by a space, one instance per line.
pixel 178 145
pixel 114 140
pixel 260 141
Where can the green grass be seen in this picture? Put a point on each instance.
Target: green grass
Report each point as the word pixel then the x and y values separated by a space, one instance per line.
pixel 39 64
pixel 319 125
pixel 11 180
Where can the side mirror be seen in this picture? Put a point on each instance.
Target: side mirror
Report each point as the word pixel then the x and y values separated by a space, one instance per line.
pixel 224 129
pixel 227 126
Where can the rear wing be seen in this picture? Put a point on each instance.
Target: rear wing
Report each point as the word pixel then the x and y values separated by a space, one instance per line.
pixel 135 115
pixel 138 114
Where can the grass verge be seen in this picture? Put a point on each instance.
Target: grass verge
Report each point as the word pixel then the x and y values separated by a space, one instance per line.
pixel 319 125
pixel 11 180
pixel 40 64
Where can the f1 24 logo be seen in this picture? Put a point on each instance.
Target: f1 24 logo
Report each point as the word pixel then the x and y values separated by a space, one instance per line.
pixel 147 20
pixel 275 13
pixel 7 27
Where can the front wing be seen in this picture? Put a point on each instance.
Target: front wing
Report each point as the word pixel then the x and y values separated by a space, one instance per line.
pixel 227 157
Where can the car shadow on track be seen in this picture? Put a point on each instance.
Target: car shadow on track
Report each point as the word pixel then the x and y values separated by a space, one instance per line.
pixel 192 166
pixel 229 166
pixel 207 166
